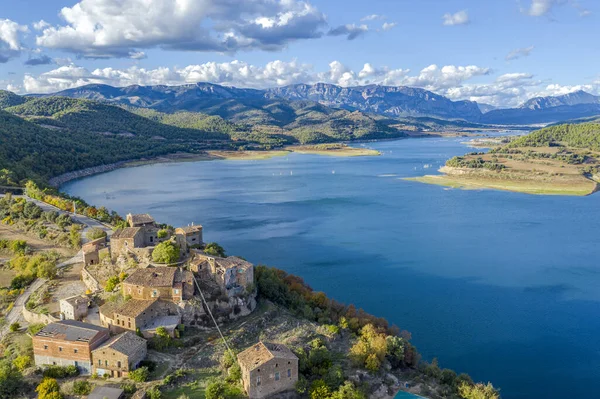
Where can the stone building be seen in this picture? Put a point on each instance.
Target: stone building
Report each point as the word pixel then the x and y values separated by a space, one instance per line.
pixel 164 282
pixel 140 220
pixel 268 369
pixel 91 251
pixel 189 237
pixel 147 315
pixel 119 355
pixel 74 308
pixel 68 342
pixel 233 274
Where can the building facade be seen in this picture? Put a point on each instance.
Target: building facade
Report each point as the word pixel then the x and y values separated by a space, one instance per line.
pixel 165 282
pixel 74 308
pixel 120 355
pixel 145 315
pixel 268 369
pixel 67 343
pixel 234 275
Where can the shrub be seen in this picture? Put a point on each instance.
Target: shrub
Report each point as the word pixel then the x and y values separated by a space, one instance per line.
pixel 162 233
pixel 221 390
pixel 129 388
pixel 154 393
pixel 61 371
pixel 139 375
pixel 48 389
pixel 22 362
pixel 111 283
pixel 14 327
pixel 95 233
pixel 18 247
pixel 214 249
pixel 82 387
pixel 165 252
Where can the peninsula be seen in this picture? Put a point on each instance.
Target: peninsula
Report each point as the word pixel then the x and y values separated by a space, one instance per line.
pixel 557 160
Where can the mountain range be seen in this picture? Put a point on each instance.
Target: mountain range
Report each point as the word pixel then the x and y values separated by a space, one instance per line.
pixel 267 106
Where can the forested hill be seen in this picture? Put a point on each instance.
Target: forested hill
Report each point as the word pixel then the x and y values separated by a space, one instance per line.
pixel 583 135
pixel 29 151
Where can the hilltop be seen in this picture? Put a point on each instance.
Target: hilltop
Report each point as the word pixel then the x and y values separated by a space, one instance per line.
pixel 557 160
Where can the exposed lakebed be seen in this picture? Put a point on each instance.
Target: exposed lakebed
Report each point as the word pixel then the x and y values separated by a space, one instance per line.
pixel 501 285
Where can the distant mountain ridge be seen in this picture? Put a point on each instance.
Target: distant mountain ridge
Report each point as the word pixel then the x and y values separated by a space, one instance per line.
pixel 206 97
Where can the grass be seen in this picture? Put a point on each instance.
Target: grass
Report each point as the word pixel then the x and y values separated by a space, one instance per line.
pixel 6 277
pixel 521 186
pixel 195 389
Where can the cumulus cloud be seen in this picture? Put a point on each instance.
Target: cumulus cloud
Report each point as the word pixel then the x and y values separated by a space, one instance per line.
pixel 351 31
pixel 518 53
pixel 388 25
pixel 458 18
pixel 41 60
pixel 10 39
pixel 119 28
pixel 539 8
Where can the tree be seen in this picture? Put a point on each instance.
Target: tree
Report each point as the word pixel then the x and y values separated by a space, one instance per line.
pixel 111 283
pixel 217 389
pixel 48 389
pixel 166 252
pixel 154 393
pixel 214 249
pixel 139 375
pixel 162 339
pixel 11 379
pixel 348 391
pixel 47 270
pixel 478 391
pixel 95 233
pixel 162 233
pixel 74 236
pixel 18 247
pixel 22 362
pixel 82 387
pixel 319 390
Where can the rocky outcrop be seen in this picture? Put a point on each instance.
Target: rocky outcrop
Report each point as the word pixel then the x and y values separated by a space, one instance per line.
pixel 194 313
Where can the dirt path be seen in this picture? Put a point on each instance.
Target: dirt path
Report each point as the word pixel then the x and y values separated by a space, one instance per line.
pixel 15 313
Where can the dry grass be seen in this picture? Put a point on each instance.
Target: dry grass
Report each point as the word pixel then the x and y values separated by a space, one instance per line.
pixel 37 244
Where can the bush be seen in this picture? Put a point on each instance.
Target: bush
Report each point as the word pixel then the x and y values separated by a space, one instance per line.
pixel 162 233
pixel 95 233
pixel 129 388
pixel 139 375
pixel 18 247
pixel 14 327
pixel 217 389
pixel 214 249
pixel 21 281
pixel 22 362
pixel 154 393
pixel 48 389
pixel 11 379
pixel 61 371
pixel 111 283
pixel 82 387
pixel 166 252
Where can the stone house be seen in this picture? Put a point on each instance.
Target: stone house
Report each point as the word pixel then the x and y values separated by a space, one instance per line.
pixel 147 315
pixel 124 240
pixel 91 251
pixel 189 237
pixel 268 369
pixel 140 220
pixel 233 274
pixel 74 308
pixel 164 282
pixel 68 342
pixel 119 355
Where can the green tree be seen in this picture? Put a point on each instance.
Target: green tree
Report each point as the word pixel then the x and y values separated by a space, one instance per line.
pixel 348 391
pixel 139 375
pixel 218 389
pixel 478 391
pixel 11 379
pixel 161 339
pixel 111 283
pixel 74 236
pixel 319 390
pixel 82 387
pixel 18 247
pixel 214 249
pixel 166 252
pixel 154 393
pixel 95 233
pixel 22 362
pixel 162 233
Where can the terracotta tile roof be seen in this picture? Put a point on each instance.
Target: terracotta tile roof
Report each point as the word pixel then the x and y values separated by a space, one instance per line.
pixel 162 276
pixel 134 307
pixel 71 330
pixel 127 232
pixel 126 343
pixel 262 352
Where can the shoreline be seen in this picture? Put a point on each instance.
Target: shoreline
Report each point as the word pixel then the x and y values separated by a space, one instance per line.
pixel 210 155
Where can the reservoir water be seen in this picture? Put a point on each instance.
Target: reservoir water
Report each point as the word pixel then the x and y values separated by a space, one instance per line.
pixel 503 286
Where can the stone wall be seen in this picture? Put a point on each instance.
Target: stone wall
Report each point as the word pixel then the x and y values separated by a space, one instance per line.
pixel 90 282
pixel 35 318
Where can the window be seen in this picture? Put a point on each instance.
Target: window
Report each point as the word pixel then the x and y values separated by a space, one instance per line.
pixel 106 363
pixel 60 348
pixel 130 290
pixel 119 364
pixel 45 346
pixel 99 362
pixel 129 324
pixel 154 293
pixel 74 350
pixel 139 291
pixel 276 365
pixel 258 381
pixel 176 291
pixel 289 372
pixel 151 239
pixel 277 376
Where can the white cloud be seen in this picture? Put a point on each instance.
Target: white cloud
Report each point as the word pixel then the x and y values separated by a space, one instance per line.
pixel 539 8
pixel 10 39
pixel 372 17
pixel 119 28
pixel 351 31
pixel 388 26
pixel 458 18
pixel 518 53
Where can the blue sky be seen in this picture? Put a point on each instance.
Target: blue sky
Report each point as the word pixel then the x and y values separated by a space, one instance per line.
pixel 492 51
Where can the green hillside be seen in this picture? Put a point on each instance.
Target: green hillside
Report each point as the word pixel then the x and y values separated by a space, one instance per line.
pixel 30 151
pixel 10 99
pixel 584 135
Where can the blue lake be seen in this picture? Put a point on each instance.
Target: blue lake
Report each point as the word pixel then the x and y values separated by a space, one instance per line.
pixel 503 286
